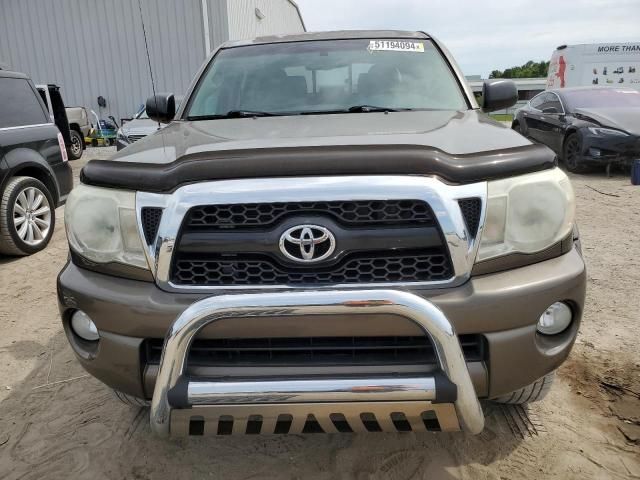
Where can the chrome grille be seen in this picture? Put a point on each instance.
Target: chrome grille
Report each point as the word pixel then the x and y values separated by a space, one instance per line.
pixel 369 212
pixel 426 265
pixel 151 217
pixel 471 209
pixel 237 244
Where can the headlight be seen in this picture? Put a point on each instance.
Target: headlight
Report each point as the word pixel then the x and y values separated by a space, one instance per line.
pixel 527 214
pixel 601 132
pixel 122 137
pixel 101 226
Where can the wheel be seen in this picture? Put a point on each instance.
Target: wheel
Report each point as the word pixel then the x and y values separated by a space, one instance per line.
pixel 531 393
pixel 516 127
pixel 130 399
pixel 572 154
pixel 75 149
pixel 27 217
pixel 108 142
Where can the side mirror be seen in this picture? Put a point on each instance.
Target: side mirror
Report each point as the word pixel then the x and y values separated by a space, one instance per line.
pixel 161 107
pixel 550 110
pixel 498 94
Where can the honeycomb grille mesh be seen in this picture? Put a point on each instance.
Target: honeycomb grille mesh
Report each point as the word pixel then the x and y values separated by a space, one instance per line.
pixel 430 265
pixel 366 212
pixel 471 209
pixel 151 217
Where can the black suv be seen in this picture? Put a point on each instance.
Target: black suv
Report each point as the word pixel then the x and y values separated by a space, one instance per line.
pixel 35 177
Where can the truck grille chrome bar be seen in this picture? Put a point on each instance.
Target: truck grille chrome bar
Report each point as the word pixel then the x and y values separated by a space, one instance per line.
pixel 177 396
pixel 203 225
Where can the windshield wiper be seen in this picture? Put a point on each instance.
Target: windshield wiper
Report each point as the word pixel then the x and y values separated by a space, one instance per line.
pixel 252 113
pixel 355 109
pixel 372 108
pixel 234 114
pixel 248 113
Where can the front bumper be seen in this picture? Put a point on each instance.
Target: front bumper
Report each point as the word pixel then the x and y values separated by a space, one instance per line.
pixel 503 307
pixel 602 149
pixel 207 402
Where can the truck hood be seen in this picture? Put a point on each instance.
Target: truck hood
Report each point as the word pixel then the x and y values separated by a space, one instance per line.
pixel 627 119
pixel 450 131
pixel 458 146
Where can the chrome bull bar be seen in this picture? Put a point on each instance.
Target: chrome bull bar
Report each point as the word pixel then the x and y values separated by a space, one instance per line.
pixel 174 392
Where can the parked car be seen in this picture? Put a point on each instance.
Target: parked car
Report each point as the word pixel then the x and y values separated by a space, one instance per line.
pixel 585 126
pixel 139 127
pixel 133 130
pixel 80 126
pixel 35 177
pixel 71 128
pixel 330 234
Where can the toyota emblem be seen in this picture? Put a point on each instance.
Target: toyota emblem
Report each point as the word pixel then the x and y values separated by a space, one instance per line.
pixel 307 243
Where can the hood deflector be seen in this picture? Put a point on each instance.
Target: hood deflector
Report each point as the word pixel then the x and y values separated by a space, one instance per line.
pixel 318 161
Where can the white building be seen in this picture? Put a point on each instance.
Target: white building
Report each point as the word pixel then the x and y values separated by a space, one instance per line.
pixel 93 48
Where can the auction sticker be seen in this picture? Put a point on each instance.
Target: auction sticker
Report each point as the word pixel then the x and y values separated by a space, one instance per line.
pixel 396 46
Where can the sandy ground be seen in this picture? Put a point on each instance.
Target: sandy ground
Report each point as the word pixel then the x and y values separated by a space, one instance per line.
pixel 57 422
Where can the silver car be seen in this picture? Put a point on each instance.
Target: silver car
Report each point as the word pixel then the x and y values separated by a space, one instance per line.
pixel 134 130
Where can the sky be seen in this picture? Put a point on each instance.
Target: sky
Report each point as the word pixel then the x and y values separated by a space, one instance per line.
pixel 486 35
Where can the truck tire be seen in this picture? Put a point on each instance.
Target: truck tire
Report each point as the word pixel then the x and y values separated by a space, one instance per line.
pixel 27 216
pixel 131 400
pixel 531 393
pixel 76 147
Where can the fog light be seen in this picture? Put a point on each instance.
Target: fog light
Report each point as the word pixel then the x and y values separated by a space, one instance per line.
pixel 84 327
pixel 555 319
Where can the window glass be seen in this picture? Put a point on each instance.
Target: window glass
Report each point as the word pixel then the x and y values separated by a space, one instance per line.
pixel 43 96
pixel 316 76
pixel 550 100
pixel 537 101
pixel 527 94
pixel 19 105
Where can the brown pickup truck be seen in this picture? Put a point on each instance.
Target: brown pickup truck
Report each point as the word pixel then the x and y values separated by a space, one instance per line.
pixel 330 234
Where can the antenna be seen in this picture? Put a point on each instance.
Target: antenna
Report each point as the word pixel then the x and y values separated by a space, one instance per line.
pixel 146 47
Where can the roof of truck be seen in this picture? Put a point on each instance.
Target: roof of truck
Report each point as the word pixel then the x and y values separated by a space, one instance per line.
pixel 332 35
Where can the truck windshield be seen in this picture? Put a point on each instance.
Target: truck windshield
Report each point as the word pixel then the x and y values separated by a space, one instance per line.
pixel 338 76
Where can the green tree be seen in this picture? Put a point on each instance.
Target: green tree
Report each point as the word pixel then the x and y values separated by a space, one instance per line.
pixel 530 69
